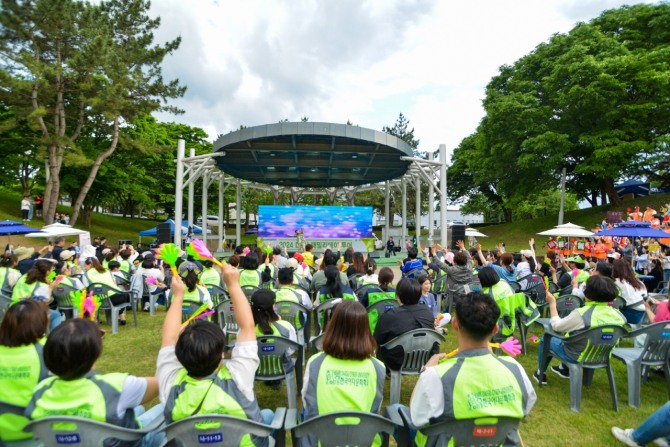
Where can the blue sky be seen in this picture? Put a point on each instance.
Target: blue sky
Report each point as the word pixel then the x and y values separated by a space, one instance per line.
pixel 255 62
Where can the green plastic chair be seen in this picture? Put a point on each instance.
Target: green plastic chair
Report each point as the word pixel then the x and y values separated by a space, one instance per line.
pixel 271 350
pixel 345 428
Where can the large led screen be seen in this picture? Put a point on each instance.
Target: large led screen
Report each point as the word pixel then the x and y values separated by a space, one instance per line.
pixel 327 222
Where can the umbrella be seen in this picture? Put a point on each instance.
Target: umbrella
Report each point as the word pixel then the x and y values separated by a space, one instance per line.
pixel 57 230
pixel 568 229
pixel 471 232
pixel 9 227
pixel 634 228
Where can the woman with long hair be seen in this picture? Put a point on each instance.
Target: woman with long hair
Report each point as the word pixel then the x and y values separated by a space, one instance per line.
pixel 348 353
pixel 97 274
pixel 268 322
pixel 334 287
pixel 195 293
pixel 375 294
pixel 631 289
pixel 357 265
pixel 370 276
pixel 8 273
pixel 22 334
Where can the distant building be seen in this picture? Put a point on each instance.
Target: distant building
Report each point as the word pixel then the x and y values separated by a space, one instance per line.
pixel 453 216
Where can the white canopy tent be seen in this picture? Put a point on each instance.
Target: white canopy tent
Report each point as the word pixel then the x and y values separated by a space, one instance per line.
pixel 57 230
pixel 568 230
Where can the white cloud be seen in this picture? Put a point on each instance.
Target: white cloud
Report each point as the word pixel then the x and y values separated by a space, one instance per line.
pixel 255 62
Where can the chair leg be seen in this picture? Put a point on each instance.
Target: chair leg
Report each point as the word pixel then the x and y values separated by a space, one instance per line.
pixel 576 373
pixel 587 378
pixel 633 371
pixel 290 390
pixel 615 399
pixel 115 320
pixel 523 329
pixel 395 387
pixel 152 304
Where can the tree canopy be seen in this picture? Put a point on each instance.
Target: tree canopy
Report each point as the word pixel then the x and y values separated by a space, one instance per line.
pixel 78 73
pixel 594 101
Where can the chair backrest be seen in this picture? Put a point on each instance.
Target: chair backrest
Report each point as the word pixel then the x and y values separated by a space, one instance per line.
pixel 123 283
pixel 567 303
pixel 618 303
pixel 214 430
pixel 534 288
pixel 656 344
pixel 414 273
pixel 599 341
pixel 57 431
pixel 103 291
pixel 62 295
pixel 322 313
pixel 363 289
pixel 226 317
pixel 417 346
pixel 353 280
pixel 474 286
pixel 5 302
pixel 217 293
pixel 345 428
pixel 249 291
pixel 316 343
pixel 294 313
pixel 382 306
pixel 485 431
pixel 271 349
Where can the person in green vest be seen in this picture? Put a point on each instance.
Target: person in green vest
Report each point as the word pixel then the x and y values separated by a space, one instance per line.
pixel 334 287
pixel 345 376
pixel 22 336
pixel 196 294
pixel 37 284
pixel 126 266
pixel 475 382
pixel 599 291
pixel 287 290
pixel 249 275
pixel 383 292
pixel 192 377
pixel 575 266
pixel 210 276
pixel 75 389
pixel 97 274
pixel 269 323
pixel 8 273
pixel 492 285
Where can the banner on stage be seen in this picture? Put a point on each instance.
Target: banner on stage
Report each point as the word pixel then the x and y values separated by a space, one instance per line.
pixel 320 245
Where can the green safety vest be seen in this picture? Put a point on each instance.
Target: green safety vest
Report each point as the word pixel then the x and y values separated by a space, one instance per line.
pixel 210 277
pixel 375 295
pixel 105 278
pixel 5 288
pixel 215 394
pixel 475 384
pixel 582 276
pixel 196 296
pixel 343 385
pixel 23 290
pixel 21 369
pixel 594 314
pixel 94 396
pixel 499 291
pixel 125 266
pixel 250 278
pixel 289 294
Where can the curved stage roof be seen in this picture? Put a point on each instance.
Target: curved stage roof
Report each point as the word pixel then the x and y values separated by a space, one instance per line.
pixel 311 154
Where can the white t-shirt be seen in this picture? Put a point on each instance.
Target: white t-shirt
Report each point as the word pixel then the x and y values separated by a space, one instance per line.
pixel 242 366
pixel 132 394
pixel 25 204
pixel 630 294
pixel 156 273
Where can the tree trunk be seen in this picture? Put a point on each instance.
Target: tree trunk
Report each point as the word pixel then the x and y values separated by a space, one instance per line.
pixel 608 189
pixel 507 214
pixel 88 212
pixel 94 171
pixel 52 189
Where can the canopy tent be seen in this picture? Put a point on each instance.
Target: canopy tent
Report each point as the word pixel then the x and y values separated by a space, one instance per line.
pixel 10 227
pixel 568 229
pixel 634 228
pixel 57 230
pixel 471 232
pixel 184 229
pixel 635 187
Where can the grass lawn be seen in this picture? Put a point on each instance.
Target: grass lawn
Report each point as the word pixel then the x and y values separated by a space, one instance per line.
pixel 551 423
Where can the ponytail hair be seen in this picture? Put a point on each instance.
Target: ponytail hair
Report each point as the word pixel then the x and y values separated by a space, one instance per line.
pixel 370 266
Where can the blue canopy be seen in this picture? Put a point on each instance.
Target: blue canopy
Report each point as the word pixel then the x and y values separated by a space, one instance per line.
pixel 9 227
pixel 184 229
pixel 635 187
pixel 633 228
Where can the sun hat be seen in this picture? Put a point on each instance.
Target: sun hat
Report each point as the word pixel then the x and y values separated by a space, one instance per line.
pixel 23 253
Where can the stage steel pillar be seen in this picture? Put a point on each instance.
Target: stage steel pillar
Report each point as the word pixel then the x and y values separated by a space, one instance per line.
pixel 179 190
pixel 191 193
pixel 431 204
pixel 205 189
pixel 387 209
pixel 222 236
pixel 238 223
pixel 403 184
pixel 443 195
pixel 417 216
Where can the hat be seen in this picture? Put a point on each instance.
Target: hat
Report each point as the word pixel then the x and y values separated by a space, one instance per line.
pixel 576 260
pixel 527 253
pixel 23 252
pixel 263 299
pixel 67 254
pixel 88 251
pixel 49 260
pixel 449 257
pixel 292 264
pixel 298 257
pixel 106 250
pixel 614 255
pixel 184 267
